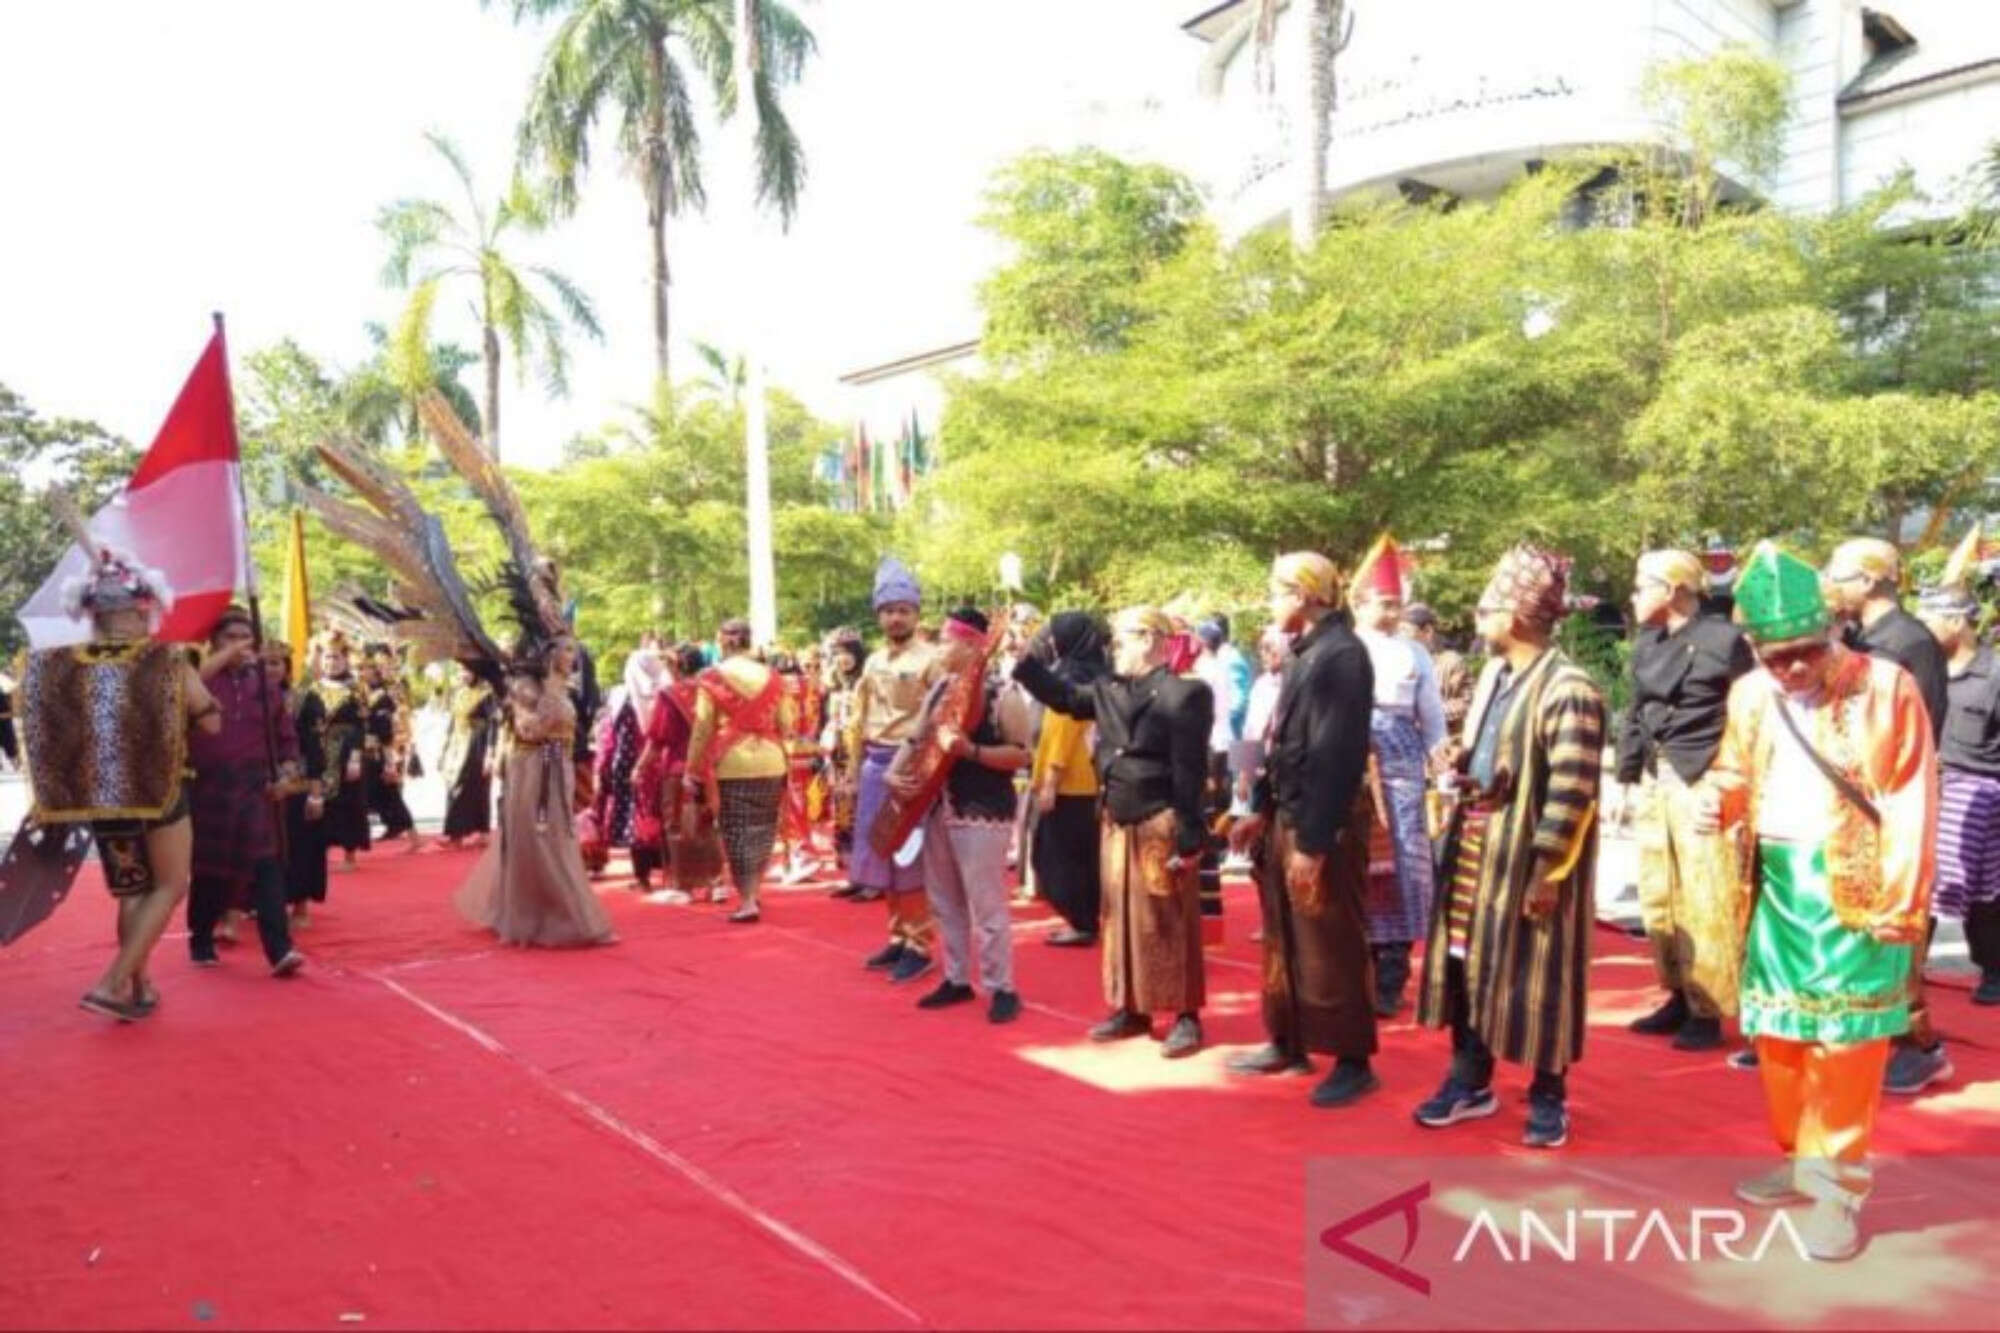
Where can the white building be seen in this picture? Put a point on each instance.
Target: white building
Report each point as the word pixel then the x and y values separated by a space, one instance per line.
pixel 1461 96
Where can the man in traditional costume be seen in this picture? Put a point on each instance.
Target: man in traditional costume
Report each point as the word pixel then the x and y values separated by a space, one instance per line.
pixel 336 707
pixel 1827 762
pixel 969 827
pixel 1454 678
pixel 1968 856
pixel 844 662
pixel 1507 963
pixel 1862 581
pixel 886 703
pixel 1682 667
pixel 1311 813
pixel 1407 723
pixel 106 728
pixel 737 760
pixel 235 798
pixel 1152 748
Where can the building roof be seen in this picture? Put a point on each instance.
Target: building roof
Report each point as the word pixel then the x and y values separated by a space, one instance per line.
pixel 1924 42
pixel 936 356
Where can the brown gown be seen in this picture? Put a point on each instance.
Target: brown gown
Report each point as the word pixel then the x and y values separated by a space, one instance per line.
pixel 530 886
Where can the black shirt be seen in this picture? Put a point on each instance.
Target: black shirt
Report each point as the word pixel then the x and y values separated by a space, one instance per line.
pixel 1152 741
pixel 976 791
pixel 1680 696
pixel 1902 638
pixel 1319 735
pixel 1971 738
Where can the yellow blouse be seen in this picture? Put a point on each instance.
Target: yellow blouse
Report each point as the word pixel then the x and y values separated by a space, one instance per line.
pixel 1065 745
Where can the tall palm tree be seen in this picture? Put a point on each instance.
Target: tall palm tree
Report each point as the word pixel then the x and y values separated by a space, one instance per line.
pixel 1325 28
pixel 723 375
pixel 430 245
pixel 635 60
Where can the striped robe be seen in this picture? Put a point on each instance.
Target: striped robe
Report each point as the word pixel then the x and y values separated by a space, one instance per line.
pixel 1526 979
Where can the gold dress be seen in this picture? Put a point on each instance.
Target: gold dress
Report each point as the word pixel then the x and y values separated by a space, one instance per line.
pixel 530 887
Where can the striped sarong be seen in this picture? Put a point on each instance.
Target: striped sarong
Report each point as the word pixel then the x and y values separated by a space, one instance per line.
pixel 1968 847
pixel 1472 821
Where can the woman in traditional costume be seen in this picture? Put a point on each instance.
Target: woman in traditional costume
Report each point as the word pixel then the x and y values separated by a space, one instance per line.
pixel 1064 781
pixel 737 760
pixel 693 855
pixel 335 709
pixel 467 762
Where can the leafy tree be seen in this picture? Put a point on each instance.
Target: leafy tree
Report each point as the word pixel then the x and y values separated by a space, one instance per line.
pixel 431 245
pixel 637 61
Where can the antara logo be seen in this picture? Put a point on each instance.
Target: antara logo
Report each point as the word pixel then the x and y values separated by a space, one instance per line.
pixel 1335 1238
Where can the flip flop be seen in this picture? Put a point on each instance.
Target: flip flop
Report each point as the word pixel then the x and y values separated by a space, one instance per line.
pixel 118 1009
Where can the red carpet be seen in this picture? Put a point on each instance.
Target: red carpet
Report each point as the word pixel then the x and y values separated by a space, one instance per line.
pixel 712 1125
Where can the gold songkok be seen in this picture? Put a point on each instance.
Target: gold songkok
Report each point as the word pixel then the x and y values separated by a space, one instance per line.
pixel 1149 619
pixel 1676 569
pixel 1309 574
pixel 1869 556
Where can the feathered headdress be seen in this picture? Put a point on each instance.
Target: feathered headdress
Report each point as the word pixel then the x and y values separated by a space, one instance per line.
pixel 437 615
pixel 116 581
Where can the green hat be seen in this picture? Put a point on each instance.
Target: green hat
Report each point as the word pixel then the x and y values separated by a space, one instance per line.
pixel 1778 596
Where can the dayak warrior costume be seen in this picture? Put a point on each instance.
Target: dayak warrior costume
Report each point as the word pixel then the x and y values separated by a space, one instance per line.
pixel 1688 890
pixel 1316 992
pixel 1827 761
pixel 886 703
pixel 1152 749
pixel 1512 986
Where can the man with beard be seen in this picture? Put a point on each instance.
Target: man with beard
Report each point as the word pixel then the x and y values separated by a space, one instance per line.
pixel 1311 812
pixel 1827 762
pixel 1152 749
pixel 886 704
pixel 1862 582
pixel 1682 667
pixel 1507 964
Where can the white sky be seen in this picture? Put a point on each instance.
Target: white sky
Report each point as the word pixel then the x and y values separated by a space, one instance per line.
pixel 169 159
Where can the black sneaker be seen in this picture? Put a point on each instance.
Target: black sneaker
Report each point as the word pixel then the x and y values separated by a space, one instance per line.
pixel 947 994
pixel 913 964
pixel 1912 1069
pixel 887 957
pixel 1548 1123
pixel 1183 1038
pixel 1347 1083
pixel 1666 1020
pixel 1699 1034
pixel 1268 1059
pixel 1005 1007
pixel 1988 991
pixel 1455 1102
pixel 204 955
pixel 1121 1024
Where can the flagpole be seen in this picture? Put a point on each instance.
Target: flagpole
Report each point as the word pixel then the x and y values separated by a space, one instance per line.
pixel 270 726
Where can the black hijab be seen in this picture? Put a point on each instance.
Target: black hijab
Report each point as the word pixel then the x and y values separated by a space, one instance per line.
pixel 1079 643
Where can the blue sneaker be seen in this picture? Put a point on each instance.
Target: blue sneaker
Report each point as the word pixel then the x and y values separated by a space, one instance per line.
pixel 1911 1069
pixel 1455 1102
pixel 1548 1123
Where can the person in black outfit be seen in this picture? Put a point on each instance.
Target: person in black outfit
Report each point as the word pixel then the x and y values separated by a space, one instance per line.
pixel 1152 757
pixel 10 745
pixel 1968 854
pixel 1310 818
pixel 1861 581
pixel 1682 667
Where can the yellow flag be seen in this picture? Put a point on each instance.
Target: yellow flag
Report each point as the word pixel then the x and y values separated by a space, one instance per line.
pixel 298 602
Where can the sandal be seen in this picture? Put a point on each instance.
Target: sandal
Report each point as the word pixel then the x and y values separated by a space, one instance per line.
pixel 145 998
pixel 110 1008
pixel 745 916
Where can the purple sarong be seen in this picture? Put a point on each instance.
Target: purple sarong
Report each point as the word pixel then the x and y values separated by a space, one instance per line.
pixel 864 867
pixel 1968 846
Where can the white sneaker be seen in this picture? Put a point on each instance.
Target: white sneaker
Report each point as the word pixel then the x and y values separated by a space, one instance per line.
pixel 673 897
pixel 1830 1231
pixel 289 964
pixel 1773 1189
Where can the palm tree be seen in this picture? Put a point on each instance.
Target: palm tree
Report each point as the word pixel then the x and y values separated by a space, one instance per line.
pixel 633 60
pixel 723 376
pixel 1325 27
pixel 430 245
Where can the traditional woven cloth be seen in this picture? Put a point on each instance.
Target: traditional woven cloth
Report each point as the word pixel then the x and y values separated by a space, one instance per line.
pixel 1968 846
pixel 748 822
pixel 106 731
pixel 1398 901
pixel 1531 582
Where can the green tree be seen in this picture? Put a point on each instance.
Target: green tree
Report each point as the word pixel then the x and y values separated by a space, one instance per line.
pixel 431 245
pixel 636 61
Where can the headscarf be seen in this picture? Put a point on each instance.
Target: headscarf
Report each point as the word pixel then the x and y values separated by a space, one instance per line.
pixel 1531 582
pixel 1079 644
pixel 1310 574
pixel 1677 569
pixel 894 583
pixel 1778 596
pixel 642 680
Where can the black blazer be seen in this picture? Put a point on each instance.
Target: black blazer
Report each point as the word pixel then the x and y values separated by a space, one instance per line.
pixel 1319 735
pixel 1152 741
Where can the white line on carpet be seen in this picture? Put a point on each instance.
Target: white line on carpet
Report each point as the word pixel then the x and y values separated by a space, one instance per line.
pixel 645 1143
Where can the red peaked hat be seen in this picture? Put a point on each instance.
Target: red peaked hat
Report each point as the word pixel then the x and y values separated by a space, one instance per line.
pixel 1381 571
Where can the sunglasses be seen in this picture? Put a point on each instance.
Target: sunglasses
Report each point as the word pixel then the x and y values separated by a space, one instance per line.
pixel 1786 659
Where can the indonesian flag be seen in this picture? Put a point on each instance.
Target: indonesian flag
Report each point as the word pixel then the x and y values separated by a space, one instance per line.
pixel 180 513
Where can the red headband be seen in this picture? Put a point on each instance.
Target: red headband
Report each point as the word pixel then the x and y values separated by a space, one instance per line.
pixel 963 632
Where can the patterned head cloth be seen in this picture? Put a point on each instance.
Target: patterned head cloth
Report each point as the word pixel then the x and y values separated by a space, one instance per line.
pixel 894 584
pixel 1531 582
pixel 1151 619
pixel 1868 557
pixel 1952 594
pixel 1310 574
pixel 1778 596
pixel 1677 569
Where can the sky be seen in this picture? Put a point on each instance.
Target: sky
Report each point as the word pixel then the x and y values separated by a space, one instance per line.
pixel 168 160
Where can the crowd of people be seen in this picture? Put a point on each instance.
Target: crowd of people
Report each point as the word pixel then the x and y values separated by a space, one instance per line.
pixel 1817 779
